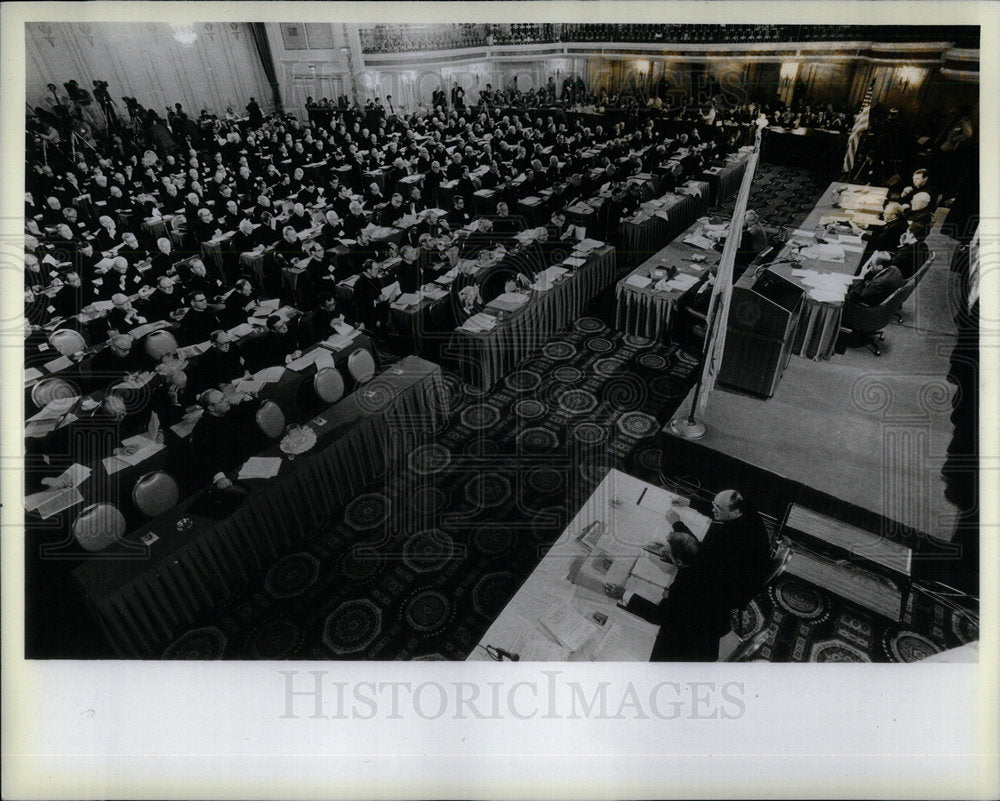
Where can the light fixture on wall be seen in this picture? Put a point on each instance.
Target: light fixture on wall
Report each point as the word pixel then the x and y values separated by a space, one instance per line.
pixel 184 34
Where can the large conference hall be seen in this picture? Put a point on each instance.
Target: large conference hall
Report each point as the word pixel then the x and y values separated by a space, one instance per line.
pixel 502 342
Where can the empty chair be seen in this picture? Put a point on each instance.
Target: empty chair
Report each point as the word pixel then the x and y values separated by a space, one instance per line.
pixel 270 419
pixel 329 385
pixel 67 341
pixel 49 389
pixel 160 344
pixel 155 493
pixel 361 366
pixel 98 526
pixel 869 321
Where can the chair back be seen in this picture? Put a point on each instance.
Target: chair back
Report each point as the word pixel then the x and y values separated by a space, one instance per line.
pixel 918 276
pixel 329 385
pixel 871 319
pixel 270 419
pixel 778 562
pixel 48 389
pixel 160 344
pixel 155 493
pixel 98 526
pixel 361 366
pixel 67 341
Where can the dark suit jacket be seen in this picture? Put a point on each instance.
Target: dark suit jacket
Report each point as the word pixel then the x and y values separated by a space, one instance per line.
pixel 730 570
pixel 876 286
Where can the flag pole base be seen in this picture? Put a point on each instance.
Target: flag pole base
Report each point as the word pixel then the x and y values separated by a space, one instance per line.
pixel 688 428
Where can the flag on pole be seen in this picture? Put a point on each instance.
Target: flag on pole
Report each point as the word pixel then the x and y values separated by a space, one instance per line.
pixel 722 291
pixel 860 126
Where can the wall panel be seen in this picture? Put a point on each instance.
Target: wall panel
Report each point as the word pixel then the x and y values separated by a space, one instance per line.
pixel 143 60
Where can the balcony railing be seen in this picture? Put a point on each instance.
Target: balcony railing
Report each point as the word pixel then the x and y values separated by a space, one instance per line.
pixel 410 38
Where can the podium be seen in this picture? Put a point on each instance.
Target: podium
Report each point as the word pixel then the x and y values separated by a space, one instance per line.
pixel 763 317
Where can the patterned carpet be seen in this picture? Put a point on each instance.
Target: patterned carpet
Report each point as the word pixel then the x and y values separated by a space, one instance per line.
pixel 782 196
pixel 808 624
pixel 422 562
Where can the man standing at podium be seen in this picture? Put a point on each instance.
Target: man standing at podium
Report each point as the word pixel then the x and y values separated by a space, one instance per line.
pixel 729 570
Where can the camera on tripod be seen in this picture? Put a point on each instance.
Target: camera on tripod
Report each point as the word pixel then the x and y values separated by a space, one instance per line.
pixel 101 92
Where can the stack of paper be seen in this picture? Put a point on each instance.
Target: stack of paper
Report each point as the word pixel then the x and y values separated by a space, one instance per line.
pixel 554 272
pixel 31 374
pixel 241 330
pixel 407 299
pixel 638 281
pixel 53 410
pixel 480 322
pixel 587 245
pixel 433 292
pixel 509 301
pixel 60 363
pixel 569 628
pixel 698 241
pixel 574 261
pixel 305 361
pixel 187 423
pixel 534 645
pixel 259 467
pixel 249 386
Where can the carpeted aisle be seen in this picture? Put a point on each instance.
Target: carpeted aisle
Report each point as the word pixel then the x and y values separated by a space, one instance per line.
pixel 423 561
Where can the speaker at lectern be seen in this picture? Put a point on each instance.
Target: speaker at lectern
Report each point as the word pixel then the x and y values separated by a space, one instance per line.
pixel 763 317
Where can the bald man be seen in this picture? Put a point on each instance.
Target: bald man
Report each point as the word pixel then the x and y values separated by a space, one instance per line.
pixel 116 361
pixel 726 572
pixel 222 439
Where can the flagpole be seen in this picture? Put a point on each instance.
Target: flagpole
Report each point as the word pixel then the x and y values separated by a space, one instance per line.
pixel 690 427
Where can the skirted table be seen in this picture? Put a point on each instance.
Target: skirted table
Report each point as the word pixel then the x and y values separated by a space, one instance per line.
pixel 486 357
pixel 646 311
pixel 819 320
pixel 724 181
pixel 647 232
pixel 152 593
pixel 815 147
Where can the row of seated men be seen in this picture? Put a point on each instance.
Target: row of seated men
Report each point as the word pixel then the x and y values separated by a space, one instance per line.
pixel 109 260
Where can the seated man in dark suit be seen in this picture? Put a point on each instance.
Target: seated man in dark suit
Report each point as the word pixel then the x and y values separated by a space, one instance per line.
pixel 116 361
pixel 199 322
pixel 220 364
pixel 392 211
pixel 885 237
pixel 223 438
pixel 912 251
pixel 506 225
pixel 239 304
pixel 164 301
pixel 370 310
pixel 876 283
pixel 321 323
pixel 123 317
pixel 459 215
pixel 410 272
pixel 278 346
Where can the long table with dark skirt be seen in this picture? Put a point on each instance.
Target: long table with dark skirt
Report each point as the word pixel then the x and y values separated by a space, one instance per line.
pixel 150 594
pixel 645 311
pixel 819 320
pixel 725 181
pixel 644 236
pixel 486 357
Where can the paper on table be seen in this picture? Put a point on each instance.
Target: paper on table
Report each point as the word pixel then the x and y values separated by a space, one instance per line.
pixel 112 464
pixel 270 375
pixel 139 456
pixel 695 240
pixel 54 409
pixel 344 329
pixel 304 361
pixel 638 281
pixel 684 281
pixel 187 423
pixel 250 386
pixel 58 364
pixel 260 467
pixel 574 261
pixel 76 474
pixel 32 374
pixel 587 245
pixel 408 299
pixel 569 627
pixel 62 500
pixel 534 645
pixel 242 330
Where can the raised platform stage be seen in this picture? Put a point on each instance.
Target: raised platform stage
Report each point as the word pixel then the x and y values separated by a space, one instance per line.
pixel 858 438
